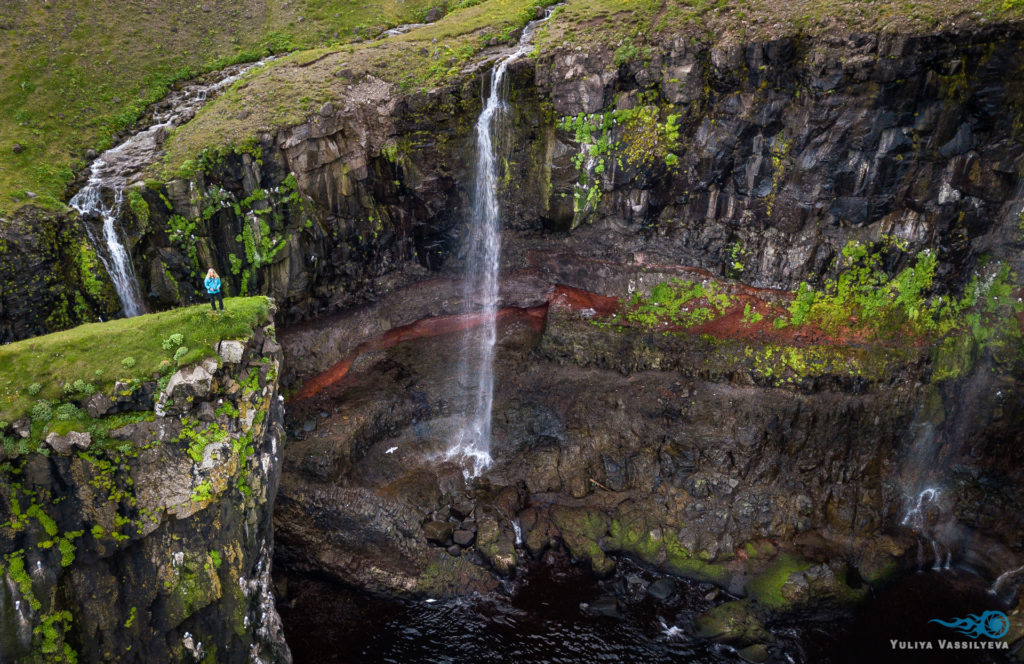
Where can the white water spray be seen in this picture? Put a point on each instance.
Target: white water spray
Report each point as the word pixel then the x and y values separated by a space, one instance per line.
pixel 123 166
pixel 917 520
pixel 476 366
pixel 1005 578
pixel 916 517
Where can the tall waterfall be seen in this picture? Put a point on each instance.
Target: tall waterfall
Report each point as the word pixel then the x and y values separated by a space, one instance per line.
pixel 124 165
pixel 483 259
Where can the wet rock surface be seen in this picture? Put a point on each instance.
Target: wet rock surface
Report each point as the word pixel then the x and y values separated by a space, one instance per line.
pixel 782 495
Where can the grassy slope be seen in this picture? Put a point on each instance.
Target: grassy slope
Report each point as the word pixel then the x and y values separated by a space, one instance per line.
pixel 287 91
pixel 93 353
pixel 72 72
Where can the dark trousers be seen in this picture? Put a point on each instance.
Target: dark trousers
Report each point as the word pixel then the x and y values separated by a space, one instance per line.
pixel 216 297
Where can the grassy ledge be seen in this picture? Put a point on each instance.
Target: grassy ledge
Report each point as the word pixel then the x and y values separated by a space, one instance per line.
pixel 286 92
pixel 69 365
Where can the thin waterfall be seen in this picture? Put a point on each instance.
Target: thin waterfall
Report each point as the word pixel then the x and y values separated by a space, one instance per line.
pixel 123 166
pixel 483 257
pixel 89 203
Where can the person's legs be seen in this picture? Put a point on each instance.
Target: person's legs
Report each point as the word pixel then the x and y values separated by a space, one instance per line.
pixel 220 298
pixel 212 300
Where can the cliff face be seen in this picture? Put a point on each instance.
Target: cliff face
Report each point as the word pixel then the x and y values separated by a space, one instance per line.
pixel 148 536
pixel 51 277
pixel 753 160
pixel 786 471
pixel 782 468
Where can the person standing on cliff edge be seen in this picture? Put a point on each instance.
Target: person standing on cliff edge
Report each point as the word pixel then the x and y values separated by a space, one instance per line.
pixel 212 283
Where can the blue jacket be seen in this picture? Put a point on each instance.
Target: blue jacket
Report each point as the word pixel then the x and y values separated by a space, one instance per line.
pixel 212 285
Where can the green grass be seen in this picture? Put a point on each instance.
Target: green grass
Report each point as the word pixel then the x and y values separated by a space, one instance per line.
pixel 94 353
pixel 74 72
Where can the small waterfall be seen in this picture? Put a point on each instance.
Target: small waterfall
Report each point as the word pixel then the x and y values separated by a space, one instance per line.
pixel 476 366
pixel 920 518
pixel 123 166
pixel 89 203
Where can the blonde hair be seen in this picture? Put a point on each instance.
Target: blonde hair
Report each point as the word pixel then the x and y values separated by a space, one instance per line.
pixel 212 273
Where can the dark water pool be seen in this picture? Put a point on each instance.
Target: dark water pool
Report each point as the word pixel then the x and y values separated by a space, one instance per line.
pixel 542 622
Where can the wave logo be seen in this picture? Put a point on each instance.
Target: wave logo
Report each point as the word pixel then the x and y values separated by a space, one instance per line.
pixel 993 624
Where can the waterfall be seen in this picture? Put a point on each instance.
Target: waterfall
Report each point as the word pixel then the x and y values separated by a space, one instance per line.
pixel 919 519
pixel 89 203
pixel 123 166
pixel 476 366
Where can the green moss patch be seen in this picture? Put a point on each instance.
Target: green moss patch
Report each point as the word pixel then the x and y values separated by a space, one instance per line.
pixel 766 588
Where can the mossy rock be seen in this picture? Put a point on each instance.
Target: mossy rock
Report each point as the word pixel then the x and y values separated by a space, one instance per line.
pixel 682 561
pixel 496 543
pixel 880 561
pixel 736 623
pixel 791 582
pixel 582 531
pixel 446 576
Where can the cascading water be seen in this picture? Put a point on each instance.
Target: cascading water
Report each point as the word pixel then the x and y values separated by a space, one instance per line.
pixel 89 202
pixel 122 166
pixel 476 367
pixel 920 518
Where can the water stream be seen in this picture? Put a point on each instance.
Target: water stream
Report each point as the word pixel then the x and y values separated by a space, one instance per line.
pixel 476 366
pixel 123 166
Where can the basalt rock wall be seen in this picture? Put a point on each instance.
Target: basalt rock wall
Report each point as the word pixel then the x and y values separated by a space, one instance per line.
pixel 153 542
pixel 758 161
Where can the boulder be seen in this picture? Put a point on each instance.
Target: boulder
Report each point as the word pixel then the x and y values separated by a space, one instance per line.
pixel 463 537
pixel 438 532
pixel 192 382
pixel 463 508
pixel 63 444
pixel 607 606
pixel 662 589
pixel 735 623
pixel 22 427
pixel 98 405
pixel 231 351
pixel 756 654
